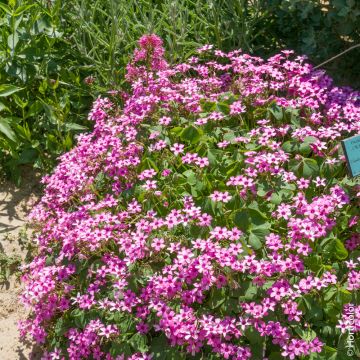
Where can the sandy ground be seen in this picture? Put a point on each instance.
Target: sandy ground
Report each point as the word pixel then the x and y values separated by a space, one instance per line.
pixel 14 205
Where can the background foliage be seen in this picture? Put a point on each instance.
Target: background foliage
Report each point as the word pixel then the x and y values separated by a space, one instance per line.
pixel 57 56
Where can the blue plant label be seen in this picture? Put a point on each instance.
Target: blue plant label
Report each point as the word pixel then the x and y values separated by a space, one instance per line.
pixel 351 148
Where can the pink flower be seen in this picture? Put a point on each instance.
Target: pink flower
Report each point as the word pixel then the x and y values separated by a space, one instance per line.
pixel 204 48
pixel 202 162
pixel 158 244
pixel 237 108
pixel 177 148
pixel 220 196
pixel 284 211
pixel 142 328
pixel 303 183
pixel 150 185
pixel 165 120
pixel 107 331
pixel 319 182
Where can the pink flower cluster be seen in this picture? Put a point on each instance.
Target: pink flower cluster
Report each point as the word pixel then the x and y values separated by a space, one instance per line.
pixel 120 233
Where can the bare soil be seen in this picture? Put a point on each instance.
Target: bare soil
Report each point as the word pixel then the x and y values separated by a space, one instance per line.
pixel 15 203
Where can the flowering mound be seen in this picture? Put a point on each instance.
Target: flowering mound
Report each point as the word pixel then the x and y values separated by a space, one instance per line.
pixel 208 217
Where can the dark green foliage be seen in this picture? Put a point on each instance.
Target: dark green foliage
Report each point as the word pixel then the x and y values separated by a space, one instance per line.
pixel 57 56
pixel 43 97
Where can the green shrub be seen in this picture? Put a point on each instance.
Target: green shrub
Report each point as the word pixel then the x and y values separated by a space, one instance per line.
pixel 42 92
pixel 209 217
pixel 57 56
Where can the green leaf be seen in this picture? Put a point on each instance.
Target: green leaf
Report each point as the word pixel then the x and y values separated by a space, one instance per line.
pixel 305 334
pixel 276 198
pixel 217 298
pixel 223 107
pixel 5 8
pixel 192 134
pixel 35 108
pixel 13 40
pixel 249 216
pixel 22 9
pixel 6 129
pixel 190 177
pixel 254 336
pixel 306 167
pixel 28 156
pixel 74 126
pixel 310 167
pixel 332 311
pixel 297 147
pixel 138 343
pixel 213 155
pixel 120 349
pixel 276 111
pixel 208 106
pixel 79 318
pixel 7 89
pixel 313 262
pixel 329 171
pixel 315 311
pixel 3 107
pixel 177 130
pixel 276 356
pixel 161 350
pixel 242 220
pixel 343 297
pixel 150 163
pixel 335 249
pixel 251 292
pixel 257 235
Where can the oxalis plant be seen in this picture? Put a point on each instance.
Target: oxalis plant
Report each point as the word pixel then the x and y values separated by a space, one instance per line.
pixel 208 215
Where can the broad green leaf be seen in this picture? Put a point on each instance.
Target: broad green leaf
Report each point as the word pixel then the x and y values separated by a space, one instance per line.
pixel 150 164
pixel 74 126
pixel 277 112
pixel 22 9
pixel 310 168
pixel 7 89
pixel 306 167
pixel 223 107
pixel 5 8
pixel 257 235
pixel 192 134
pixel 213 155
pixel 79 318
pixel 217 297
pixel 276 356
pixel 161 350
pixel 331 310
pixel 35 108
pixel 335 249
pixel 314 310
pixel 242 220
pixel 190 177
pixel 298 147
pixel 12 41
pixel 313 262
pixel 208 106
pixel 6 129
pixel 249 217
pixel 138 343
pixel 28 156
pixel 251 292
pixel 305 334
pixel 254 336
pixel 120 349
pixel 343 297
pixel 3 107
